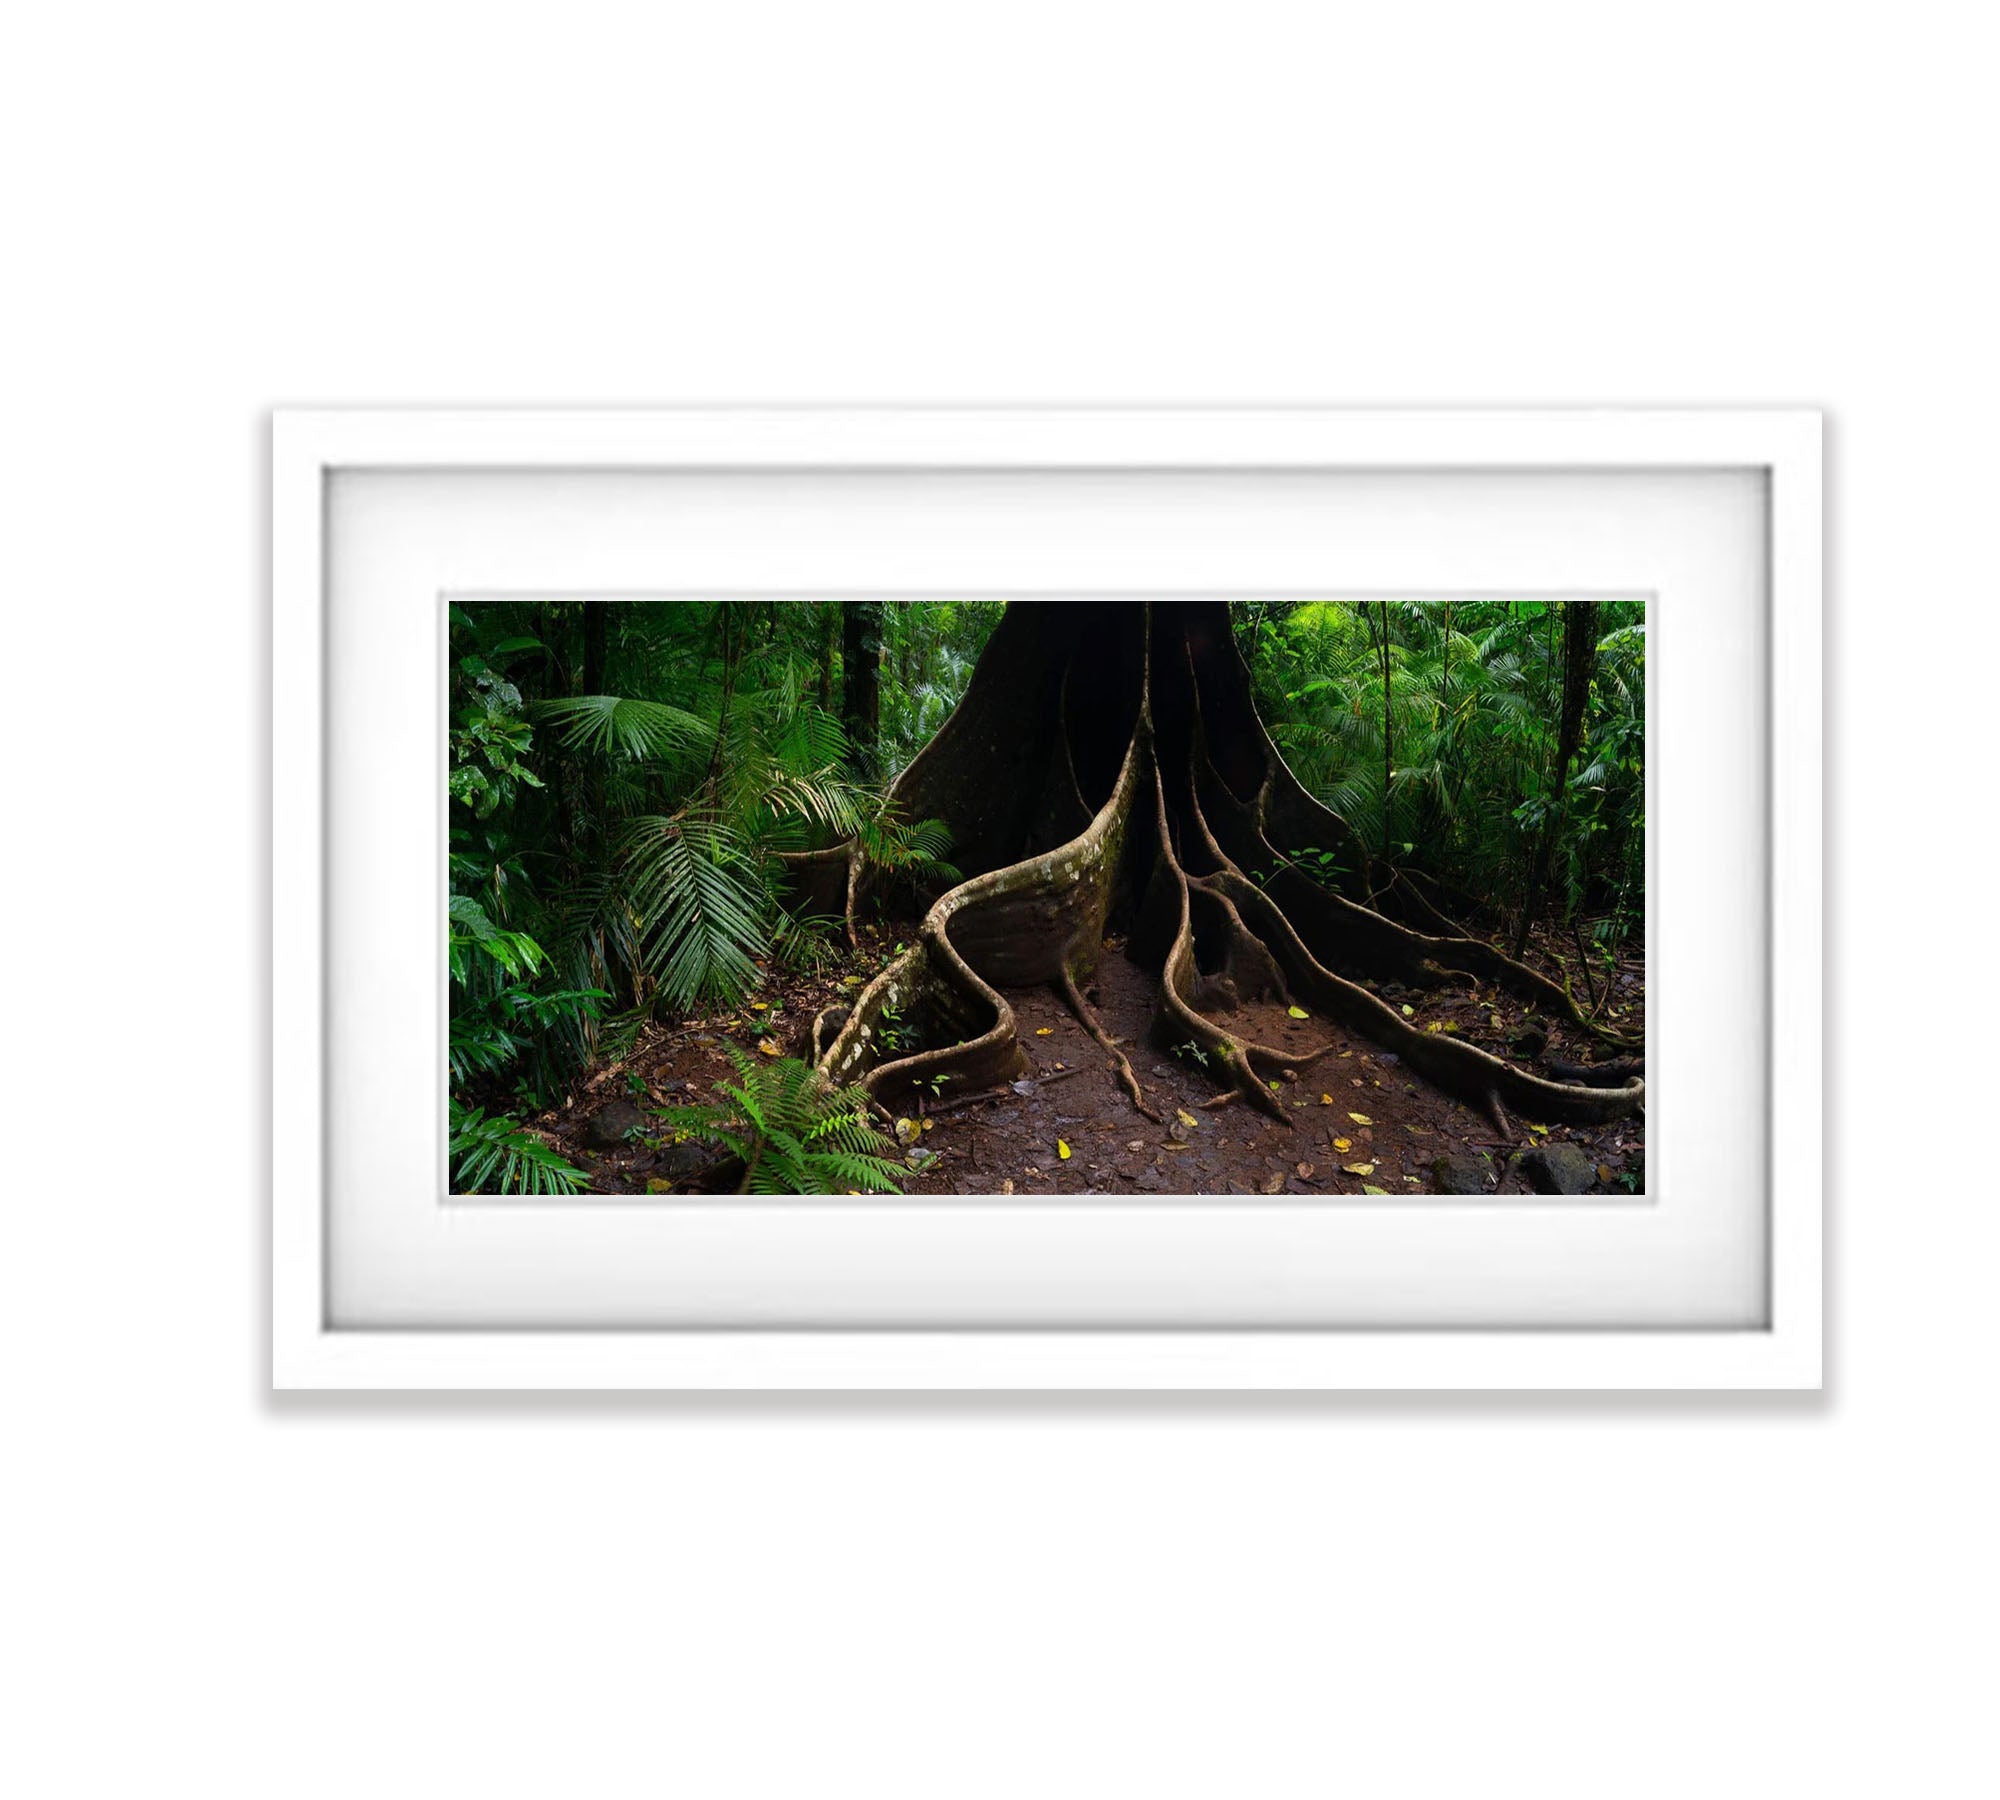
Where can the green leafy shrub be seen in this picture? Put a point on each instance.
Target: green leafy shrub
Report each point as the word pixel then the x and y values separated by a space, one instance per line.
pixel 493 1155
pixel 795 1133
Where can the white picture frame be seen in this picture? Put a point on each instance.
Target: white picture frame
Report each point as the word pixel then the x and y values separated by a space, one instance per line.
pixel 322 1338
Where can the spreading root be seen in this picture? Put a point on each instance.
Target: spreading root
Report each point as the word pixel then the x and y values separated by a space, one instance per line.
pixel 1107 762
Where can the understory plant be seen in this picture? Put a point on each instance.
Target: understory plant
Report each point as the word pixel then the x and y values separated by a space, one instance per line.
pixel 793 1131
pixel 1432 728
pixel 627 784
pixel 494 1155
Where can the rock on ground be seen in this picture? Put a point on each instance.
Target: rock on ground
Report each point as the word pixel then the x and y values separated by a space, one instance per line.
pixel 606 1127
pixel 1559 1168
pixel 1460 1174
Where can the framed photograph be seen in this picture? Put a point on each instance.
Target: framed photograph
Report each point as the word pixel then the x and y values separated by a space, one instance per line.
pixel 1047 900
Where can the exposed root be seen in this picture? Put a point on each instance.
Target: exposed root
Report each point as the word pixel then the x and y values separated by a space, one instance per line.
pixel 1615 1073
pixel 1239 838
pixel 1195 802
pixel 958 1103
pixel 1457 1067
pixel 1022 923
pixel 1089 1021
pixel 1441 907
pixel 856 863
pixel 1179 980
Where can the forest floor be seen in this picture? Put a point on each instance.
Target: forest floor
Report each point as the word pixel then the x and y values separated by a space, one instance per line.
pixel 1357 1122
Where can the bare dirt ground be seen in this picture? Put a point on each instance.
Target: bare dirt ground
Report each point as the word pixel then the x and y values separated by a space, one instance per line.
pixel 1358 1123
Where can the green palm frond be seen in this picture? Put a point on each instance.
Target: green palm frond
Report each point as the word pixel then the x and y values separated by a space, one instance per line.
pixel 701 906
pixel 493 1155
pixel 804 941
pixel 816 797
pixel 913 847
pixel 641 730
pixel 810 740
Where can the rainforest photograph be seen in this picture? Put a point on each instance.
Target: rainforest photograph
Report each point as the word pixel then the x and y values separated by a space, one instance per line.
pixel 1104 899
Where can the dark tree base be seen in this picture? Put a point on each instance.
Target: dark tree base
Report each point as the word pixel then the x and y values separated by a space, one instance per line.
pixel 1107 764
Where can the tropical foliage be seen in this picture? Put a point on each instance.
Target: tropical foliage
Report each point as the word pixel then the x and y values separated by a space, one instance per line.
pixel 1433 727
pixel 793 1132
pixel 626 781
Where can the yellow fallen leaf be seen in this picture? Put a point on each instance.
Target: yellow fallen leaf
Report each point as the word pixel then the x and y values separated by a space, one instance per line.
pixel 760 1006
pixel 1434 1026
pixel 908 1131
pixel 1357 1168
pixel 1186 1118
pixel 1326 1099
pixel 1361 1118
pixel 770 1047
pixel 928 1123
pixel 1044 1030
pixel 1062 1149
pixel 1343 1144
pixel 1368 1188
pixel 1347 1053
pixel 1409 1012
pixel 1298 1012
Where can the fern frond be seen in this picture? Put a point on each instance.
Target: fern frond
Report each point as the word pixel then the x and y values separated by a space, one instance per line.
pixel 794 1133
pixel 841 1170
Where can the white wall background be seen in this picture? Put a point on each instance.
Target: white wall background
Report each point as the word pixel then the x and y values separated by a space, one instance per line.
pixel 211 209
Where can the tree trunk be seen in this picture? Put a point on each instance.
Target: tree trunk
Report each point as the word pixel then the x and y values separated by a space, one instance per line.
pixel 829 649
pixel 861 682
pixel 1106 770
pixel 1388 745
pixel 596 645
pixel 1579 665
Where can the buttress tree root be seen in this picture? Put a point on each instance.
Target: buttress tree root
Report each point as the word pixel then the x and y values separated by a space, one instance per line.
pixel 1106 771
